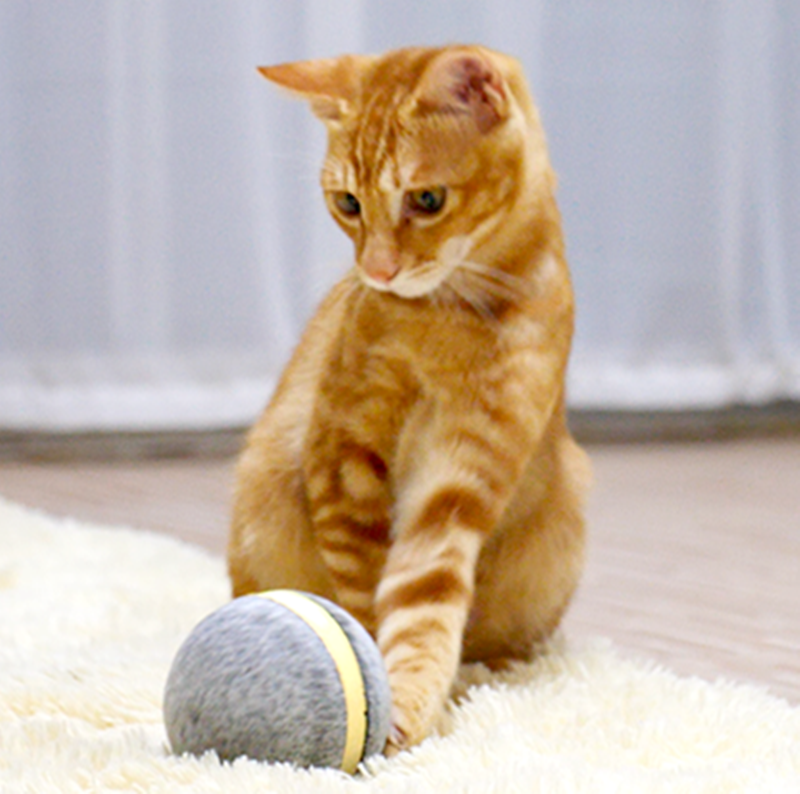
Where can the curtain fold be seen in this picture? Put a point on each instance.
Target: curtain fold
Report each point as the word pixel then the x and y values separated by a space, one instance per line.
pixel 163 239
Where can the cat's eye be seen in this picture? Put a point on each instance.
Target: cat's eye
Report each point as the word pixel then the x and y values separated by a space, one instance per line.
pixel 347 204
pixel 428 201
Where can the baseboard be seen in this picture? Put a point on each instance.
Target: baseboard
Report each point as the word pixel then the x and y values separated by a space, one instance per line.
pixel 590 427
pixel 779 419
pixel 61 447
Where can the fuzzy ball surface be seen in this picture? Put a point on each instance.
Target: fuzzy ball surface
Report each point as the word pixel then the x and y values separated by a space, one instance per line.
pixel 255 679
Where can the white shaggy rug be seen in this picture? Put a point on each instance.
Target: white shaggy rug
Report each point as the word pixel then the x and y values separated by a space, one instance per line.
pixel 90 619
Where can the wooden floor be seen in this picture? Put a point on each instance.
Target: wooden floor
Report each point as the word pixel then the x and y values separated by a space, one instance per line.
pixel 694 557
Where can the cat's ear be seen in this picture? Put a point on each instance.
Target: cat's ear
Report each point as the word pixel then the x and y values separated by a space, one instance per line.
pixel 330 85
pixel 465 82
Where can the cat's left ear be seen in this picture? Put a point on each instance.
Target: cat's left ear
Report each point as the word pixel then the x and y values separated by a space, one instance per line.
pixel 465 81
pixel 330 85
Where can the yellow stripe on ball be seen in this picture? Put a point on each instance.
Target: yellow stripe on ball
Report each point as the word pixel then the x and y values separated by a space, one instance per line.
pixel 333 637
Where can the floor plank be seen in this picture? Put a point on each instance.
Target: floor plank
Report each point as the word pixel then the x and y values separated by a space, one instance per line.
pixel 693 557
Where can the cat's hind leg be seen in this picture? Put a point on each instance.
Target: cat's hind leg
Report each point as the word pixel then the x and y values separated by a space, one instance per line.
pixel 530 568
pixel 271 542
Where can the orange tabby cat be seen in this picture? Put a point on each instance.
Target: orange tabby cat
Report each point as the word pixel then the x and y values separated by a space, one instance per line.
pixel 414 464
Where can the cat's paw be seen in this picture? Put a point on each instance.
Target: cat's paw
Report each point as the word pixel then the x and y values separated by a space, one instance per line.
pixel 409 727
pixel 396 742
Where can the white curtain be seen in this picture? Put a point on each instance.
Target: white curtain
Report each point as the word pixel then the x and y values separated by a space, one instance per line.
pixel 163 240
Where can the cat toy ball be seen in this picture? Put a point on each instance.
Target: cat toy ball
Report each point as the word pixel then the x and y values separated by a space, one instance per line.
pixel 279 676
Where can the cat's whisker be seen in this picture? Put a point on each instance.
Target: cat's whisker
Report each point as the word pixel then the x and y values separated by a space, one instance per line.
pixel 444 296
pixel 464 291
pixel 362 290
pixel 353 283
pixel 421 280
pixel 497 283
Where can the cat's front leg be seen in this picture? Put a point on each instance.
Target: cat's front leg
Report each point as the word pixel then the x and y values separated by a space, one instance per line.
pixel 423 601
pixel 457 467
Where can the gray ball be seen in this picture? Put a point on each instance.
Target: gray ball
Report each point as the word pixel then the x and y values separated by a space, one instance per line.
pixel 256 678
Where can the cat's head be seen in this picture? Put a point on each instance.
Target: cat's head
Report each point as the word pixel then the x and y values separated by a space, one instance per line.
pixel 435 158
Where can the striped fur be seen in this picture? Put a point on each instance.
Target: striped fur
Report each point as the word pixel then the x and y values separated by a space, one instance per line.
pixel 414 463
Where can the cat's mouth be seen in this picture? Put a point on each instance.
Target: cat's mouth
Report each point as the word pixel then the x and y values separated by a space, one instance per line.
pixel 411 283
pixel 420 279
pixel 482 287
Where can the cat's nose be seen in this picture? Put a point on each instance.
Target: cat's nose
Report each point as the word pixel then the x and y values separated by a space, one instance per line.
pixel 380 259
pixel 384 270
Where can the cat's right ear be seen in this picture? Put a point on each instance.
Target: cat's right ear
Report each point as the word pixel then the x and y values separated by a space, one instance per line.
pixel 330 85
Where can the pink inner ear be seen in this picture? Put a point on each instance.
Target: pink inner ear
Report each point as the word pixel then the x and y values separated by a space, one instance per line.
pixel 474 81
pixel 468 83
